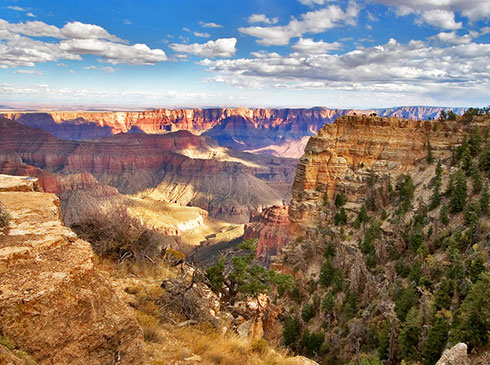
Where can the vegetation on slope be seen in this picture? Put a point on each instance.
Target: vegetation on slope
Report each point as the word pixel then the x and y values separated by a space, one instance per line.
pixel 423 240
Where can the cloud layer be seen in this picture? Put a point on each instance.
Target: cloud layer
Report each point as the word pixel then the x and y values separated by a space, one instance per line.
pixel 18 46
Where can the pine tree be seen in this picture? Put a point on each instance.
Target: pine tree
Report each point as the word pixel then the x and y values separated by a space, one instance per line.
pixel 384 341
pixel 474 141
pixel 409 335
pixel 458 194
pixel 466 158
pixel 484 159
pixel 443 214
pixel 341 217
pixel 472 322
pixel 476 179
pixel 484 198
pixel 436 340
pixel 292 332
pixel 430 157
pixel 436 194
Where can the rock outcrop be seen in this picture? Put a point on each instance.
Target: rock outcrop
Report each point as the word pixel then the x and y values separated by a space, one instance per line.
pixel 271 230
pixel 54 304
pixel 238 128
pixel 343 154
pixel 456 355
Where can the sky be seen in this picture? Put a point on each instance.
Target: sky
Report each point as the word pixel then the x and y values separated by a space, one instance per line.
pixel 251 53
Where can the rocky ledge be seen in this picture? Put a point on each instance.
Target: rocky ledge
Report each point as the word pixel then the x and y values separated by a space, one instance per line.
pixel 54 304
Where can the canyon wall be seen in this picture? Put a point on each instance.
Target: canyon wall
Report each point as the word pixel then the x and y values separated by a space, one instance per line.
pixel 54 304
pixel 237 128
pixel 343 155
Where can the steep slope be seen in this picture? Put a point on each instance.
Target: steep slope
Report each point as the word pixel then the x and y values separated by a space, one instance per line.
pixel 177 168
pixel 389 241
pixel 239 128
pixel 54 304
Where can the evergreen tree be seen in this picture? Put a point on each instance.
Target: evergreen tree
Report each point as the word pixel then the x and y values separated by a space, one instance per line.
pixel 472 322
pixel 451 115
pixel 405 298
pixel 443 214
pixel 472 214
pixel 436 194
pixel 340 200
pixel 436 340
pixel 291 332
pixel 484 159
pixel 474 141
pixel 215 275
pixel 442 295
pixel 340 218
pixel 484 198
pixel 475 178
pixel 442 115
pixel 466 158
pixel 384 341
pixel 430 157
pixel 458 194
pixel 477 266
pixel 408 339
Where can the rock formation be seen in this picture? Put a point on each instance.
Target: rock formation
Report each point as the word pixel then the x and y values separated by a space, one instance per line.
pixel 340 159
pixel 239 128
pixel 178 168
pixel 54 304
pixel 271 230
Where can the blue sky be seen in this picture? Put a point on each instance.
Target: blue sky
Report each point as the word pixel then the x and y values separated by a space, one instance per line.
pixel 253 53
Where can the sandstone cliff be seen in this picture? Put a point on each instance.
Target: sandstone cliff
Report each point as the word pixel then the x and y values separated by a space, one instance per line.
pixel 343 155
pixel 54 304
pixel 237 128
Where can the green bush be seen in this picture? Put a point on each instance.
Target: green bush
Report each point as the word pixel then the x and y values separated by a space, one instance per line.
pixel 291 332
pixel 4 219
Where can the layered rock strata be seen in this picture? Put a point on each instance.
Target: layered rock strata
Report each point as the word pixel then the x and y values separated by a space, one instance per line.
pixel 343 155
pixel 54 304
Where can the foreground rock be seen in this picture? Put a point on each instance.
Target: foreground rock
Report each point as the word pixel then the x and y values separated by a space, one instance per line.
pixel 54 304
pixel 456 355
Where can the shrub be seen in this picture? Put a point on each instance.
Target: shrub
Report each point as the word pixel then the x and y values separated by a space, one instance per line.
pixel 340 200
pixel 119 236
pixel 4 219
pixel 312 342
pixel 291 332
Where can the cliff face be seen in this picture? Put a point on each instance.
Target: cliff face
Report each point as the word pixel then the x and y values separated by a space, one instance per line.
pixel 271 229
pixel 343 155
pixel 54 304
pixel 238 128
pixel 177 167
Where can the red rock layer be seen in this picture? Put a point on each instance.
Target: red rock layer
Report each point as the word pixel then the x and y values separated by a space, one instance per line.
pixel 271 231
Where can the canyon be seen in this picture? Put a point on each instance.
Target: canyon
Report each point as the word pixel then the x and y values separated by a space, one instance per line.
pixel 278 132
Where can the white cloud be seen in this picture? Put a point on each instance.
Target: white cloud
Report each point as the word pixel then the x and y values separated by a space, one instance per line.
pixel 471 9
pixel 390 67
pixel 314 2
pixel 77 30
pixel 107 69
pixel 29 72
pixel 210 25
pixel 222 47
pixel 31 15
pixel 261 18
pixel 452 38
pixel 16 8
pixel 312 22
pixel 114 53
pixel 309 46
pixel 18 48
pixel 201 35
pixel 441 19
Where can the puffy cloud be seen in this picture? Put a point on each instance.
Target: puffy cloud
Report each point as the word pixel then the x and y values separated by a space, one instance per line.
pixel 441 19
pixel 312 22
pixel 391 66
pixel 210 25
pixel 114 53
pixel 309 46
pixel 471 9
pixel 261 18
pixel 107 69
pixel 77 30
pixel 201 35
pixel 222 47
pixel 452 38
pixel 18 48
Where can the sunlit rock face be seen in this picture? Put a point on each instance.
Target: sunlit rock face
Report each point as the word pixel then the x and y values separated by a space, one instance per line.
pixel 268 131
pixel 54 304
